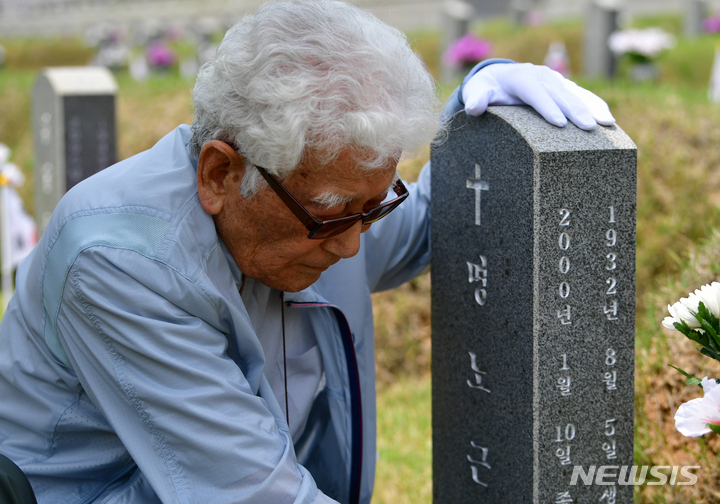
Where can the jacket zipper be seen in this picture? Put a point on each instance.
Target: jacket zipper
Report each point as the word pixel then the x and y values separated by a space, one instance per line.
pixel 355 397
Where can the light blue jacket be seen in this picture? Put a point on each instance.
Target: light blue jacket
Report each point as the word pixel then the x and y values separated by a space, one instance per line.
pixel 130 371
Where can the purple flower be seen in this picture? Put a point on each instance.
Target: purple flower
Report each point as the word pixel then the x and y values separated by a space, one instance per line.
pixel 467 50
pixel 159 54
pixel 712 24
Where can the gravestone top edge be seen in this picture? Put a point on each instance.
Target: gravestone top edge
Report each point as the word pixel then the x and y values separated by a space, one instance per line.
pixel 80 80
pixel 542 136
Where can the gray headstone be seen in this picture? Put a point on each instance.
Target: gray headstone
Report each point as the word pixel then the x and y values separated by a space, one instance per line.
pixel 533 309
pixel 485 9
pixel 695 12
pixel 602 21
pixel 456 18
pixel 73 111
pixel 519 9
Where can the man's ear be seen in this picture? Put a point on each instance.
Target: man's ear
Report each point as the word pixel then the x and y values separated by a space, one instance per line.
pixel 220 170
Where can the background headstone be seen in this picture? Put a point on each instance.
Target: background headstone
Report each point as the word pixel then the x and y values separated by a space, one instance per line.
pixel 519 9
pixel 714 88
pixel 456 18
pixel 486 9
pixel 694 15
pixel 533 308
pixel 74 131
pixel 602 21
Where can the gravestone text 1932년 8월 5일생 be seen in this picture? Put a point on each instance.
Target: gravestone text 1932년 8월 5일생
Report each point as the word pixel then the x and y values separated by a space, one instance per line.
pixel 533 309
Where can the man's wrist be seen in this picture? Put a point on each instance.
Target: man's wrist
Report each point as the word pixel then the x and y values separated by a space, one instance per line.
pixel 476 69
pixel 456 103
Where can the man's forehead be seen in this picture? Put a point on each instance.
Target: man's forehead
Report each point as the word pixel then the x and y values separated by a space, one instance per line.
pixel 355 186
pixel 351 158
pixel 343 177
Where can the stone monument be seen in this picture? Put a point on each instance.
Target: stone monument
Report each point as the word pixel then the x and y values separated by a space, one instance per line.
pixel 74 131
pixel 457 15
pixel 694 14
pixel 602 21
pixel 533 310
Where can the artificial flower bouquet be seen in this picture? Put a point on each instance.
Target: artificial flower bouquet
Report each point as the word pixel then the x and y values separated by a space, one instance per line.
pixel 641 46
pixel 160 56
pixel 467 51
pixel 697 317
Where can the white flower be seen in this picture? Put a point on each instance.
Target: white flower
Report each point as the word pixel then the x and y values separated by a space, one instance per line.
pixel 4 153
pixel 710 296
pixel 686 308
pixel 692 418
pixel 683 311
pixel 648 42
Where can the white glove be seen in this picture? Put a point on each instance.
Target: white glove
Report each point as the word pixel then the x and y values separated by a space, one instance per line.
pixel 554 97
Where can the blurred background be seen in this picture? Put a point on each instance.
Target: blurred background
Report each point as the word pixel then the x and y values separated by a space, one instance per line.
pixel 655 62
pixel 56 17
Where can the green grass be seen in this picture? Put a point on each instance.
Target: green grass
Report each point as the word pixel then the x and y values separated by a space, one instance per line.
pixel 35 53
pixel 404 467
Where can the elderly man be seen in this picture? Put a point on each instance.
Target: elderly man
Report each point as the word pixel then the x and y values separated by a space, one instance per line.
pixel 186 331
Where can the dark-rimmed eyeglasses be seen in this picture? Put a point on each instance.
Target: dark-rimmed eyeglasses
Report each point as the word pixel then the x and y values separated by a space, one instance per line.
pixel 319 230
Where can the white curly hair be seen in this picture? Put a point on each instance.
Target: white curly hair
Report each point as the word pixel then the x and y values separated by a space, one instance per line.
pixel 313 74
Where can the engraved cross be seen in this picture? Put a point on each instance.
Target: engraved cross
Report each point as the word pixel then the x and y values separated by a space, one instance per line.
pixel 477 185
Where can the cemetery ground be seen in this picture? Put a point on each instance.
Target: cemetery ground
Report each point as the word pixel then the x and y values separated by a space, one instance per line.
pixel 677 133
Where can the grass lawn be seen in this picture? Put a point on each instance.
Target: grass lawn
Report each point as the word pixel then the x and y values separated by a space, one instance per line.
pixel 404 467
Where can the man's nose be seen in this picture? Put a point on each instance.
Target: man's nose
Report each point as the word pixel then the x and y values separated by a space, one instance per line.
pixel 347 243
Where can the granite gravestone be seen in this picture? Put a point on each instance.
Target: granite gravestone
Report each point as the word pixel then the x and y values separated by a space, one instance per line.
pixel 695 12
pixel 74 131
pixel 457 15
pixel 533 307
pixel 602 21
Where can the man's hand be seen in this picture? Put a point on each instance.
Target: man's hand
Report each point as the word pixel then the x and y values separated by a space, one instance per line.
pixel 554 97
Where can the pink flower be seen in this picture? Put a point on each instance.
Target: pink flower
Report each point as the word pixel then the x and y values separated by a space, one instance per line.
pixel 712 24
pixel 693 417
pixel 159 54
pixel 467 50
